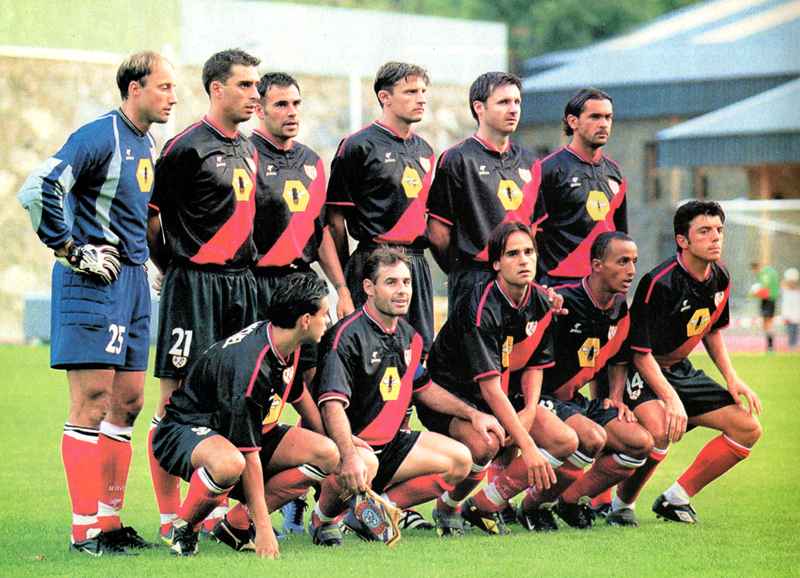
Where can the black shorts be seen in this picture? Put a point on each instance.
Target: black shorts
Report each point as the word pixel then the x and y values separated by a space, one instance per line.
pixel 173 444
pixel 391 456
pixel 265 286
pixel 591 409
pixel 420 312
pixel 199 308
pixel 440 422
pixel 463 280
pixel 697 391
pixel 767 309
pixel 269 443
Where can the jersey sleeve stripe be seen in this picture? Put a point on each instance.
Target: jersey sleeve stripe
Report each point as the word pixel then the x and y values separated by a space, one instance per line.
pixel 483 375
pixel 655 279
pixel 333 397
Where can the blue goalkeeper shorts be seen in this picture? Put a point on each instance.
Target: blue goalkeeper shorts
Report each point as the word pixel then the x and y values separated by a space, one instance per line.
pixel 97 326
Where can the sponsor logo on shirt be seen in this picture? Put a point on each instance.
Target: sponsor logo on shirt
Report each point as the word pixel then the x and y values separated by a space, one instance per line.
pixel 412 184
pixel 698 322
pixel 275 408
pixel 597 205
pixel 242 184
pixel 508 347
pixel 144 175
pixel 509 194
pixel 587 354
pixel 390 384
pixel 296 196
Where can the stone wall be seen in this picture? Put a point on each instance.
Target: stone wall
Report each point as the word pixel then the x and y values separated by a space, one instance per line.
pixel 44 101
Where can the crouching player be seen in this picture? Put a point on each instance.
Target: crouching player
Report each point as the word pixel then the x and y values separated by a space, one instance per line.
pixel 212 431
pixel 368 371
pixel 589 338
pixel 491 353
pixel 679 303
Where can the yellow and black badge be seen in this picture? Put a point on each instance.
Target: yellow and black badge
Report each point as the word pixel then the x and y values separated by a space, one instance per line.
pixel 508 347
pixel 587 354
pixel 509 194
pixel 597 205
pixel 144 174
pixel 390 384
pixel 296 196
pixel 698 322
pixel 242 184
pixel 412 184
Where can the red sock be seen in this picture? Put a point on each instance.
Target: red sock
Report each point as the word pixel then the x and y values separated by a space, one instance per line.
pixel 216 514
pixel 417 490
pixel 507 485
pixel 114 449
pixel 601 499
pixel 500 462
pixel 238 517
pixel 629 489
pixel 330 502
pixel 287 485
pixel 717 457
pixel 461 490
pixel 81 464
pixel 604 474
pixel 203 496
pixel 167 487
pixel 566 475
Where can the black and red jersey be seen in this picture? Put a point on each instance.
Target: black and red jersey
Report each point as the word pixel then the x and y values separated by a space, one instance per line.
pixel 238 387
pixel 290 197
pixel 487 335
pixel 673 310
pixel 582 199
pixel 373 371
pixel 205 191
pixel 381 182
pixel 476 188
pixel 587 338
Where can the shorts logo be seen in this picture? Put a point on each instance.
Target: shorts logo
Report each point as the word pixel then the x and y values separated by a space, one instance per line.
pixel 698 322
pixel 508 347
pixel 178 361
pixel 613 185
pixel 612 331
pixel 288 374
pixel 242 184
pixel 201 431
pixel 597 205
pixel 407 356
pixel 634 386
pixel 275 408
pixel 426 164
pixel 525 175
pixel 530 328
pixel 412 184
pixel 144 174
pixel 587 354
pixel 296 196
pixel 311 171
pixel 548 405
pixel 718 297
pixel 509 194
pixel 390 384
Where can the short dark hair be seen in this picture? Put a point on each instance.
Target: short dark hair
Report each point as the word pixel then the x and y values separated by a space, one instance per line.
pixel 136 68
pixel 687 212
pixel 393 72
pixel 294 296
pixel 219 67
pixel 499 238
pixel 602 244
pixel 384 255
pixel 577 103
pixel 279 79
pixel 483 87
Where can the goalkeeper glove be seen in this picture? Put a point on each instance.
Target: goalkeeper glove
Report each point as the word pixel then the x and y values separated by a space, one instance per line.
pixel 101 261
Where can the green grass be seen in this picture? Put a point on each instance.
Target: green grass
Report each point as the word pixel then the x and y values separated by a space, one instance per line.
pixel 750 516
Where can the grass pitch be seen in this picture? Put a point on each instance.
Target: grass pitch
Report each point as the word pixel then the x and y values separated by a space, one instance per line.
pixel 750 517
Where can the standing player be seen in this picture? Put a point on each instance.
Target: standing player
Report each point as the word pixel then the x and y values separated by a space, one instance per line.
pixel 369 369
pixel 591 336
pixel 212 431
pixel 767 289
pixel 379 186
pixel 200 227
pixel 289 230
pixel 679 303
pixel 481 182
pixel 583 190
pixel 100 295
pixel 491 352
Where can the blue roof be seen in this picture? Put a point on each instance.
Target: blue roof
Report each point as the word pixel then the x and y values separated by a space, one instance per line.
pixel 726 49
pixel 761 129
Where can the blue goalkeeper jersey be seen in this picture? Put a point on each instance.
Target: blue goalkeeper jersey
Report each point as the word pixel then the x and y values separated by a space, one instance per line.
pixel 107 165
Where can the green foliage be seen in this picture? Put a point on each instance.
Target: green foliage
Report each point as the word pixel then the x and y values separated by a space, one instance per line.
pixel 750 516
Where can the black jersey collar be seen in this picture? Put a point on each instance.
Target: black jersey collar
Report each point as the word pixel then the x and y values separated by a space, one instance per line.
pixel 377 323
pixel 218 131
pixel 489 148
pixel 690 272
pixel 585 286
pixel 271 142
pixel 273 349
pixel 581 157
pixel 391 132
pixel 130 124
pixel 509 299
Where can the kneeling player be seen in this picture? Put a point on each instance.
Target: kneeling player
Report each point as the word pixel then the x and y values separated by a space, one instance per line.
pixel 212 431
pixel 491 352
pixel 677 304
pixel 369 369
pixel 589 338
